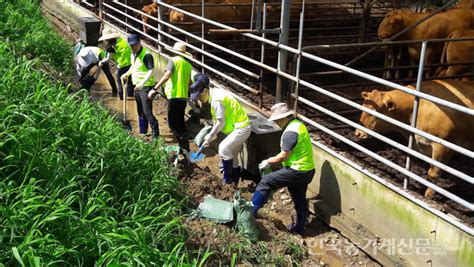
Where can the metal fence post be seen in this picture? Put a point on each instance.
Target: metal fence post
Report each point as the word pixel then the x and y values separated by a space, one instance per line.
pixel 126 18
pixel 158 25
pixel 282 53
pixel 298 62
pixel 100 9
pixel 414 115
pixel 365 23
pixel 262 55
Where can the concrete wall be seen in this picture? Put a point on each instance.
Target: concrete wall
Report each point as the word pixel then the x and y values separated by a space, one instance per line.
pixel 403 232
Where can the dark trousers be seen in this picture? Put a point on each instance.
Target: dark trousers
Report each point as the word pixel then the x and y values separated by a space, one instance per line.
pixel 296 181
pixel 176 109
pixel 145 112
pixel 87 84
pixel 120 72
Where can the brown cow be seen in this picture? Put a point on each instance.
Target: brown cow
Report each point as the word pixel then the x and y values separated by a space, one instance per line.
pixel 457 52
pixel 438 26
pixel 211 12
pixel 437 120
pixel 469 4
pixel 152 10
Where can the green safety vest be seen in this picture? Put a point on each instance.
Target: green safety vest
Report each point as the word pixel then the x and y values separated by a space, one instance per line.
pixel 122 53
pixel 301 157
pixel 178 84
pixel 235 115
pixel 139 70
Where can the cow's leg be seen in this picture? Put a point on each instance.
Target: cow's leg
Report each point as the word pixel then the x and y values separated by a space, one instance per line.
pixel 442 154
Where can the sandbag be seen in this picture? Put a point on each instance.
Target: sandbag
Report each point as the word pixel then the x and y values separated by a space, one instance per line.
pixel 199 139
pixel 217 210
pixel 245 224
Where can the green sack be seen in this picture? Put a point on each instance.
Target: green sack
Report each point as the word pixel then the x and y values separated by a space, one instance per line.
pixel 217 210
pixel 245 224
pixel 199 139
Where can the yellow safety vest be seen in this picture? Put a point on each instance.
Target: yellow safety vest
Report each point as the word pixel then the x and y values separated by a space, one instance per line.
pixel 235 115
pixel 301 157
pixel 178 84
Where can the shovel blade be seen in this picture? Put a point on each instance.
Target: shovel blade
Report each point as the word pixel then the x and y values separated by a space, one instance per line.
pixel 196 156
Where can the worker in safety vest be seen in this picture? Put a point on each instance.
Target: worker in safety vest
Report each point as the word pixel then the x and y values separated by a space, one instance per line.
pixel 89 57
pixel 121 53
pixel 143 82
pixel 178 79
pixel 296 157
pixel 228 117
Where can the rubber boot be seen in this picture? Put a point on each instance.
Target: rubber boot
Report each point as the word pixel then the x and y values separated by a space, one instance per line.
pixel 156 130
pixel 298 226
pixel 258 200
pixel 143 125
pixel 227 177
pixel 235 176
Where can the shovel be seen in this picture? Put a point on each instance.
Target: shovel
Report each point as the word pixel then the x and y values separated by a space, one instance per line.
pixel 196 156
pixel 126 123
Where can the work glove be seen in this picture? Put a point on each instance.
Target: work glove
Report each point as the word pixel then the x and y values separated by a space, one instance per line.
pixel 152 94
pixel 264 165
pixel 207 140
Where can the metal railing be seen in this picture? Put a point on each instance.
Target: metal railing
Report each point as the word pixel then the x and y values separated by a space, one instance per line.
pixel 307 103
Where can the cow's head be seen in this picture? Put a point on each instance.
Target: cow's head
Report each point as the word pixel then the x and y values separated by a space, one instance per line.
pixel 380 102
pixel 176 16
pixel 391 24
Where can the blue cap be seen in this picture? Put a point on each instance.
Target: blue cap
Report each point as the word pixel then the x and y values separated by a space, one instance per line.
pixel 133 39
pixel 201 82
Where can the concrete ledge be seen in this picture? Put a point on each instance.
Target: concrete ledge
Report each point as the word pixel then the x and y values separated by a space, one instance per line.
pixel 389 227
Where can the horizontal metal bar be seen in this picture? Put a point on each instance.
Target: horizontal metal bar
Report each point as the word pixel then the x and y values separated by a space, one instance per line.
pixel 224 31
pixel 87 3
pixel 400 169
pixel 386 43
pixel 407 194
pixel 245 71
pixel 382 138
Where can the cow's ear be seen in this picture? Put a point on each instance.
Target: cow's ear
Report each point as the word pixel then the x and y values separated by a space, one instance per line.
pixel 365 95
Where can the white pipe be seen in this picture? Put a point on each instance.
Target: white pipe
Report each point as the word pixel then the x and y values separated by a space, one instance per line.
pixel 417 178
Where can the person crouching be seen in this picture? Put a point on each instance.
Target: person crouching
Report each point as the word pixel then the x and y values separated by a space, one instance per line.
pixel 228 117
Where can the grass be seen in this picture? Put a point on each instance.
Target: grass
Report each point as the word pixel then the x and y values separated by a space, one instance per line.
pixel 75 189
